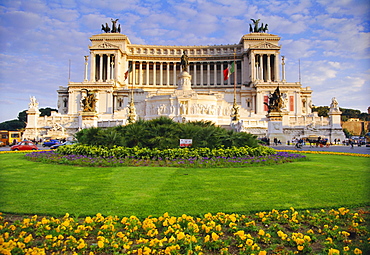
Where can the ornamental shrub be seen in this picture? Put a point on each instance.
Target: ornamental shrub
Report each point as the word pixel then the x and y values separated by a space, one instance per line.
pixel 164 133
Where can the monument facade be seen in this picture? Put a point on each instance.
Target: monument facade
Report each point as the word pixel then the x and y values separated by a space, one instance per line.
pixel 125 81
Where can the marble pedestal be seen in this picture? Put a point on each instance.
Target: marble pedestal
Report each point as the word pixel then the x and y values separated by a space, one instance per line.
pixel 275 127
pixel 89 119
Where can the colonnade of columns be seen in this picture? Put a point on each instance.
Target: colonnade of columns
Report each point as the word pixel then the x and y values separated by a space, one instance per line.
pixel 103 67
pixel 265 67
pixel 165 73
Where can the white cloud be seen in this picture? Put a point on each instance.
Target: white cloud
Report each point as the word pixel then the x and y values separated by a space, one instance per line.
pixel 39 37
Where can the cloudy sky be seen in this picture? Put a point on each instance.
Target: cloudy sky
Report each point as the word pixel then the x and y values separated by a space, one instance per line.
pixel 41 40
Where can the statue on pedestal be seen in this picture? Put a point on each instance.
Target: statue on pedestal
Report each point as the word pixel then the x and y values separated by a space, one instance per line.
pixel 275 103
pixel 33 103
pixel 89 102
pixel 334 105
pixel 114 29
pixel 184 61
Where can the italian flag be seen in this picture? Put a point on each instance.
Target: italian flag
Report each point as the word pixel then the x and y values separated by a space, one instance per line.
pixel 228 71
pixel 128 71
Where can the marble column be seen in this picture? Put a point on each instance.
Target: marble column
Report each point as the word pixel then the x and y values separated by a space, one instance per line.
pixel 268 68
pixel 140 73
pixel 253 66
pixel 161 73
pixel 168 74
pixel 283 69
pixel 101 68
pixel 174 74
pixel 201 74
pixel 276 69
pixel 208 74
pixel 147 73
pixel 222 73
pixel 86 67
pixel 93 67
pixel 215 73
pixel 108 68
pixel 261 78
pixel 154 73
pixel 195 73
pixel 133 73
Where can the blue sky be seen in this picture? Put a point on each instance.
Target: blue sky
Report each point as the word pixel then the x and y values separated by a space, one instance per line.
pixel 39 38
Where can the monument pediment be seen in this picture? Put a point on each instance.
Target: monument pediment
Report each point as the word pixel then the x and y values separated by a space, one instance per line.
pixel 265 45
pixel 107 45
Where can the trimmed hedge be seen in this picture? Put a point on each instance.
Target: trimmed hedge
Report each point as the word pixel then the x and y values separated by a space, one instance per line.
pixel 177 153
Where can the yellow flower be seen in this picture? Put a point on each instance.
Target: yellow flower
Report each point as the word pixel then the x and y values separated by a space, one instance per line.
pixel 345 248
pixel 215 237
pixel 346 234
pixel 88 220
pixel 249 242
pixel 172 239
pixel 241 234
pixel 28 239
pixel 100 244
pixel 262 253
pixel 357 251
pixel 300 247
pixel 180 236
pixel 206 239
pixel 81 244
pixel 307 238
pixel 333 251
pixel 261 232
pixel 21 245
pixel 329 239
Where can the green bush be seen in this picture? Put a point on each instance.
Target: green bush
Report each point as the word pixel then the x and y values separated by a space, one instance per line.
pixel 164 133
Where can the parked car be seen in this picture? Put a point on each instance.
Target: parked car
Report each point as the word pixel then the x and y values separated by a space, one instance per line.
pixel 50 143
pixel 24 146
pixel 55 146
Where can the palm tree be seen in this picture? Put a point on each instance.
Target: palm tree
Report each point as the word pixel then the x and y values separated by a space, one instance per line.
pixel 135 135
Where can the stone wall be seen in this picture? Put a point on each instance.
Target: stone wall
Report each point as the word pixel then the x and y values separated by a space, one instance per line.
pixel 356 127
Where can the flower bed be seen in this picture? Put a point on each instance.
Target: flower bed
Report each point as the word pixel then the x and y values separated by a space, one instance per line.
pixel 341 231
pixel 25 151
pixel 147 153
pixel 81 160
pixel 329 153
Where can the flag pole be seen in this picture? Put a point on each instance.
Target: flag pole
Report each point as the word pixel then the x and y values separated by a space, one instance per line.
pixel 234 79
pixel 235 109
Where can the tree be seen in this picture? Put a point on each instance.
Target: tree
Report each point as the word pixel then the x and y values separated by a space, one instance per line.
pixel 20 122
pixel 12 125
pixel 321 110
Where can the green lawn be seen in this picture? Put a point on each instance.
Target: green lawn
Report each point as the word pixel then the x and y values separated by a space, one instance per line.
pixel 325 181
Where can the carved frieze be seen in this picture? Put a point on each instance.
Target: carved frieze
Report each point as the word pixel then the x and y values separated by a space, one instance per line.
pixel 107 45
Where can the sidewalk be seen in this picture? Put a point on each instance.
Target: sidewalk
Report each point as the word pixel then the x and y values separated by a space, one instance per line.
pixel 334 148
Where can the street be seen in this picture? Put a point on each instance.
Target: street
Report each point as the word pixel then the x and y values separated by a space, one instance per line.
pixel 335 148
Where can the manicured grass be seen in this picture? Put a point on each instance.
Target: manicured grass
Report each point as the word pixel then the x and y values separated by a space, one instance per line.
pixel 325 181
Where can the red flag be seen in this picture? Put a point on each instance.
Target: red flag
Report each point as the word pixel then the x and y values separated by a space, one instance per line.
pixel 228 71
pixel 128 71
